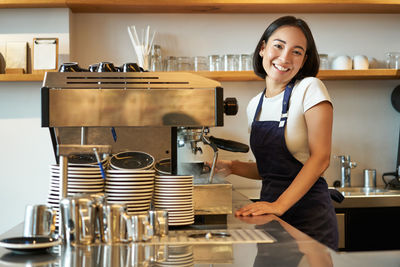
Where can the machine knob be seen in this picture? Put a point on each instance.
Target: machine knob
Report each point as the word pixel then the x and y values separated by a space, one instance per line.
pixel 231 106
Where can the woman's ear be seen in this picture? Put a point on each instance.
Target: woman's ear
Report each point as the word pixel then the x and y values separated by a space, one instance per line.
pixel 262 49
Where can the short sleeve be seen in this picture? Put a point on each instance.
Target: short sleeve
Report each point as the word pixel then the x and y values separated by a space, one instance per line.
pixel 315 93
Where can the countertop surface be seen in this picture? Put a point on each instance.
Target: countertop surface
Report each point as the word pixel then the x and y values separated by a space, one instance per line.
pixel 291 248
pixel 354 197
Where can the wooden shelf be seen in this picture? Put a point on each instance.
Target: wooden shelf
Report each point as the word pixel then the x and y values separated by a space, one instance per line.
pixel 212 6
pixel 243 76
pixel 33 3
pixel 21 77
pixel 371 74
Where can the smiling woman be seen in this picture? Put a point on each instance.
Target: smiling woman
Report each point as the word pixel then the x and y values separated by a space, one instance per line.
pixel 291 128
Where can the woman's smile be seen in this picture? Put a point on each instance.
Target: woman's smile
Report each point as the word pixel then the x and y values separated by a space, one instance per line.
pixel 281 68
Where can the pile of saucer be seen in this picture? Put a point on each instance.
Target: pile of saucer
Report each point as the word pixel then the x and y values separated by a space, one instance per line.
pixel 83 178
pixel 131 180
pixel 133 188
pixel 132 160
pixel 175 194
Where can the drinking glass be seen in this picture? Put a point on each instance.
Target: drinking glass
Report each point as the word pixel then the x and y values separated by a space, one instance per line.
pixel 184 64
pixel 215 63
pixel 245 62
pixel 170 63
pixel 156 58
pixel 230 62
pixel 200 63
pixel 323 62
pixel 393 60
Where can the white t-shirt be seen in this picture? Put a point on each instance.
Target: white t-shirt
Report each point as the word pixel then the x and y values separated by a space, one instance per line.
pixel 306 93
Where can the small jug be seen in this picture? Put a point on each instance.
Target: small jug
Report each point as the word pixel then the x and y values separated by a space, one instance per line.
pixel 39 220
pixel 140 228
pixel 159 222
pixel 116 227
pixel 78 220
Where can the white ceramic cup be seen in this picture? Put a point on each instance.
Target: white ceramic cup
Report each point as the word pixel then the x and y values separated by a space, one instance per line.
pixel 342 63
pixel 360 62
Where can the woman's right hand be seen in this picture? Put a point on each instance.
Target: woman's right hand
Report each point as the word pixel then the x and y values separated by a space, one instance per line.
pixel 222 167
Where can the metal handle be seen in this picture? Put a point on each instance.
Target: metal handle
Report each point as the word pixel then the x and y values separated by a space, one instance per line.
pixel 85 224
pixel 127 227
pixel 50 219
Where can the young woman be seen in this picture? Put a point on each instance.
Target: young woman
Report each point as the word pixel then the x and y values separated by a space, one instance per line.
pixel 291 128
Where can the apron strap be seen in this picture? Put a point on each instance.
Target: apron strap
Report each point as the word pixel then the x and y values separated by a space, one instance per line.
pixel 259 105
pixel 285 103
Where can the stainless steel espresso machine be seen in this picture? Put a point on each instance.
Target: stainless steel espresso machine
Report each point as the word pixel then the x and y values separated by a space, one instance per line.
pixel 163 114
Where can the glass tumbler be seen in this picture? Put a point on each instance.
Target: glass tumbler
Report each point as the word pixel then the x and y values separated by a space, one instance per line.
pixel 184 64
pixel 214 63
pixel 393 60
pixel 156 58
pixel 323 62
pixel 200 64
pixel 170 63
pixel 245 62
pixel 230 62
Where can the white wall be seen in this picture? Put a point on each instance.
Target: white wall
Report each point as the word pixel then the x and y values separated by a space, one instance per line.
pixel 26 150
pixel 365 125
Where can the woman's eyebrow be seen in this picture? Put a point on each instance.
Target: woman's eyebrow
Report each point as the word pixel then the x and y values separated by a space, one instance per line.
pixel 297 46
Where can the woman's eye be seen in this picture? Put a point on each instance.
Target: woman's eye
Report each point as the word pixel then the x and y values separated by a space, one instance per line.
pixel 299 53
pixel 278 45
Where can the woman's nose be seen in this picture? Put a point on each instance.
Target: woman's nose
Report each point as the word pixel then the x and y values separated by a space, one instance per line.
pixel 285 55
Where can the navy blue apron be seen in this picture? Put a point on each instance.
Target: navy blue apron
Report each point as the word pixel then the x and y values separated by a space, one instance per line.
pixel 314 213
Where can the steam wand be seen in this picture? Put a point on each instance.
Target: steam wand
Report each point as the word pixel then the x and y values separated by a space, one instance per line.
pixel 215 148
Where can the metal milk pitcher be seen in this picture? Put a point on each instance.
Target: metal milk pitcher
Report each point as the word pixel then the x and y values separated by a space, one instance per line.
pixel 116 224
pixel 79 220
pixel 40 220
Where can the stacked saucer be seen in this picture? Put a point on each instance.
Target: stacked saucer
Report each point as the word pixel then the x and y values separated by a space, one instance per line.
pixel 130 160
pixel 84 178
pixel 132 188
pixel 175 194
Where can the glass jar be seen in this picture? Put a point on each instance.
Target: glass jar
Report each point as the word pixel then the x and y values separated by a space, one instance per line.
pixel 323 62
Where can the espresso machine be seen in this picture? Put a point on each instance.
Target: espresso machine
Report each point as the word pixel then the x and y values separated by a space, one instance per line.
pixel 165 114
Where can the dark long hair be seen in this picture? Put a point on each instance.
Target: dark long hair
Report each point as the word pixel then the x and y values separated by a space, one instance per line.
pixel 310 67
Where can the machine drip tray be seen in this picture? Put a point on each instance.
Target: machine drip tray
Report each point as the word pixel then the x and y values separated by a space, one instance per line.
pixel 227 236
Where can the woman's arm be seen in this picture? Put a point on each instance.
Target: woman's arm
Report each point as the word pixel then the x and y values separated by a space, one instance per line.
pixel 240 168
pixel 319 126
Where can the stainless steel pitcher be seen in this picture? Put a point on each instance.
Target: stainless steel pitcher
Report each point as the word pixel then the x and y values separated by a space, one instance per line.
pixel 140 228
pixel 116 224
pixel 39 220
pixel 159 222
pixel 79 220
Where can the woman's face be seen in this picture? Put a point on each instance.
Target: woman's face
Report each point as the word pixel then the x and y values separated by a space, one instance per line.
pixel 284 54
